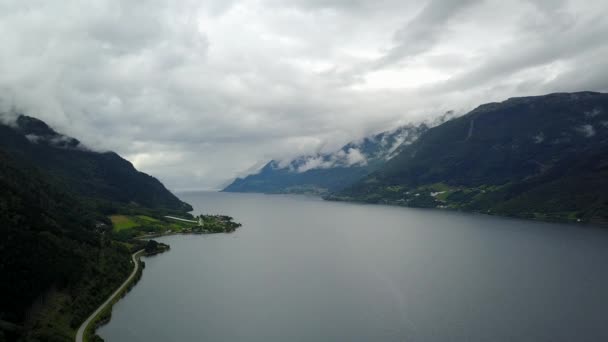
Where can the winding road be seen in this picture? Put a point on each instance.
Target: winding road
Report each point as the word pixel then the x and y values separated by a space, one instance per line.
pixel 85 324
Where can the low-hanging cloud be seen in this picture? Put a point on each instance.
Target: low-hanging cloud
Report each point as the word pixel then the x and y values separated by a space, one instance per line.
pixel 197 92
pixel 341 158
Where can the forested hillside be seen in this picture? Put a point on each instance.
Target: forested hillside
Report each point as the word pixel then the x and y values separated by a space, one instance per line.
pixel 543 157
pixel 58 256
pixel 106 178
pixel 55 261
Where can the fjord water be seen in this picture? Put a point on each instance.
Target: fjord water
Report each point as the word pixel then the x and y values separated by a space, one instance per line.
pixel 302 269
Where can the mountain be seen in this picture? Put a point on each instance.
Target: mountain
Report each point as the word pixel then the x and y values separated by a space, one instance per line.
pixel 55 261
pixel 543 157
pixel 322 173
pixel 106 177
pixel 58 259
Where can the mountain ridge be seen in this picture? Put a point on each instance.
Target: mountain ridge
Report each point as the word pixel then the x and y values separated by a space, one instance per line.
pixel 105 176
pixel 324 172
pixel 514 158
pixel 58 250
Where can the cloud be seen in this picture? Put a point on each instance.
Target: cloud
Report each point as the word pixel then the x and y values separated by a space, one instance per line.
pixel 423 32
pixel 315 163
pixel 197 92
pixel 355 157
pixel 341 158
pixel 8 116
pixel 587 130
pixel 573 40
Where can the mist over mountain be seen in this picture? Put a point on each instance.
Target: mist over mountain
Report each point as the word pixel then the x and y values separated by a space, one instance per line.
pixel 103 176
pixel 324 172
pixel 543 157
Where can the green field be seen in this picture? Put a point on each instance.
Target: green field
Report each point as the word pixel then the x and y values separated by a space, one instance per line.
pixel 125 227
pixel 122 222
pixel 147 219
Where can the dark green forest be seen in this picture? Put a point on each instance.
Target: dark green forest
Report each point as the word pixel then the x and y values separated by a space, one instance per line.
pixel 101 177
pixel 58 258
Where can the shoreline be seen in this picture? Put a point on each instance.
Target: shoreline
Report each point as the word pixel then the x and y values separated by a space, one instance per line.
pixel 545 219
pixel 95 320
pixel 151 236
pixel 85 327
pixel 521 217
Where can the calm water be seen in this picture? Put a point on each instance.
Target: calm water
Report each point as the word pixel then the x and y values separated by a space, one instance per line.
pixel 301 269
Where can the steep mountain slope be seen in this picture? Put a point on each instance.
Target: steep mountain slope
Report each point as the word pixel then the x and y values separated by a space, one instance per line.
pixel 55 263
pixel 105 177
pixel 57 256
pixel 321 173
pixel 540 157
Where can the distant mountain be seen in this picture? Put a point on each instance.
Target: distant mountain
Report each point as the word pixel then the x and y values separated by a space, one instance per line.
pixel 106 177
pixel 325 172
pixel 543 157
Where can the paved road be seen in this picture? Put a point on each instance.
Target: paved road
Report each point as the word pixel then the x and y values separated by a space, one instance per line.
pixel 83 327
pixel 180 219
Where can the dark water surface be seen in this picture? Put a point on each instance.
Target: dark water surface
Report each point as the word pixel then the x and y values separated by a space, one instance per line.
pixel 301 269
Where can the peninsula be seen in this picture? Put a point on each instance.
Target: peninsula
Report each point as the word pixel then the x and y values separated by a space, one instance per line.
pixel 136 231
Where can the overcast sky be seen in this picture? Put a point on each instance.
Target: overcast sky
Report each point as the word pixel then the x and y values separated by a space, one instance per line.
pixel 196 92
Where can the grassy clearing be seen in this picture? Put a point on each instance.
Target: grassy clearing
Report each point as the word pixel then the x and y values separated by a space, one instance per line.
pixel 122 222
pixel 147 219
pixel 126 227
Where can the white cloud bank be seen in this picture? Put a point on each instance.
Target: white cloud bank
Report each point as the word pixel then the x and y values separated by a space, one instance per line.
pixel 195 92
